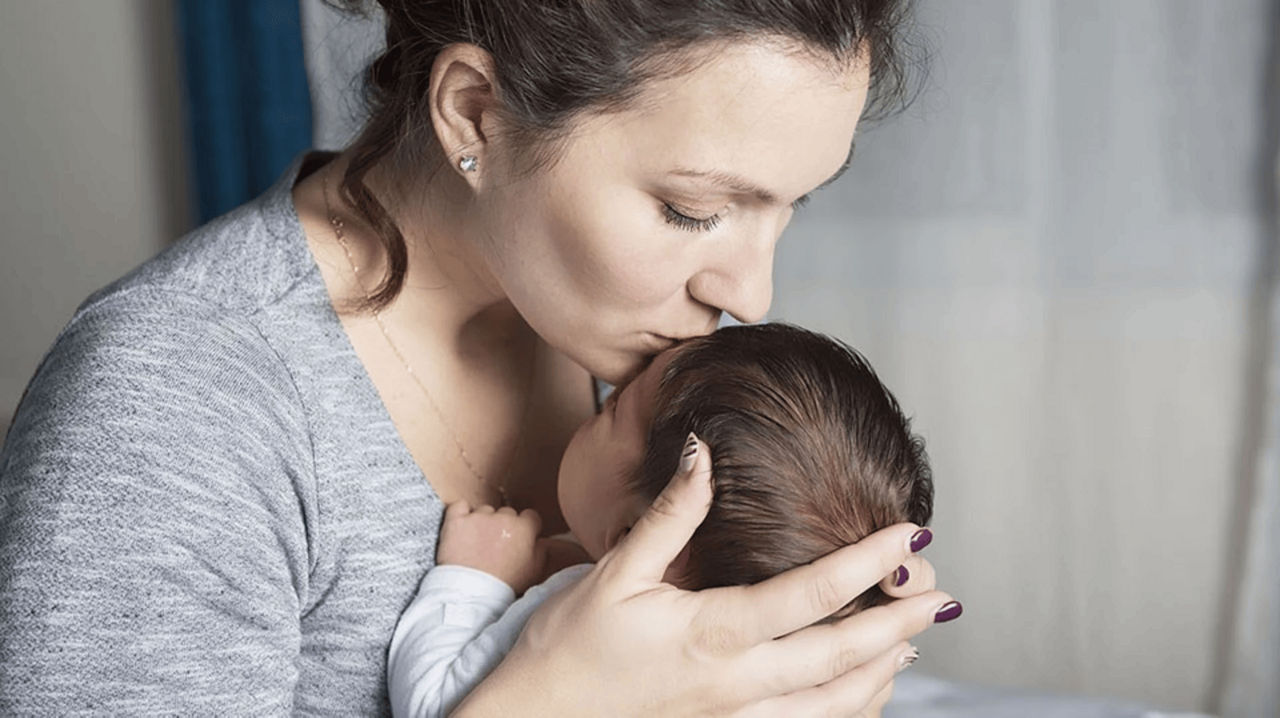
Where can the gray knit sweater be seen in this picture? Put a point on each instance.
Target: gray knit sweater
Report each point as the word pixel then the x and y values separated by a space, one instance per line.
pixel 204 506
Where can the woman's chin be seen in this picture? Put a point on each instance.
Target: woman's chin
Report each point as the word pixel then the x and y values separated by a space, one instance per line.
pixel 615 367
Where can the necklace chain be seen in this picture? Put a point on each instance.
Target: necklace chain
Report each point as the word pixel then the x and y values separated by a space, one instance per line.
pixel 338 231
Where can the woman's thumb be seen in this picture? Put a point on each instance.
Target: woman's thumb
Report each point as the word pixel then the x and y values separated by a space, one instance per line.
pixel 662 532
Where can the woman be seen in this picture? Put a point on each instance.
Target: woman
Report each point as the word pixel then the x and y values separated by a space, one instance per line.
pixel 219 492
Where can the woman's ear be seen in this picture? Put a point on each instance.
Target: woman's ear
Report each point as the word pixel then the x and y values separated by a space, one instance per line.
pixel 463 99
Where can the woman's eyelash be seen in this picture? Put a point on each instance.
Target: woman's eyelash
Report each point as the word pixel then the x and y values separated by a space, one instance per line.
pixel 693 224
pixel 685 222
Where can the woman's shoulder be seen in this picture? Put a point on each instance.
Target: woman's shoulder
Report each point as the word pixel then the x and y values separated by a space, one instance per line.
pixel 151 330
pixel 253 257
pixel 147 364
pixel 148 367
pixel 195 312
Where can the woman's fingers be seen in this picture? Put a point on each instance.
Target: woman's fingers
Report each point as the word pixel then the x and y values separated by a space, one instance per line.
pixel 806 594
pixel 822 653
pixel 913 577
pixel 851 694
pixel 881 699
pixel 662 532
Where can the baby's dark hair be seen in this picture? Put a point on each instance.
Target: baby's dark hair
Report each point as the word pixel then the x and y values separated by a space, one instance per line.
pixel 810 452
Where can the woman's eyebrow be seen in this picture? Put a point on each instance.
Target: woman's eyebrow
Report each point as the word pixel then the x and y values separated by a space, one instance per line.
pixel 741 185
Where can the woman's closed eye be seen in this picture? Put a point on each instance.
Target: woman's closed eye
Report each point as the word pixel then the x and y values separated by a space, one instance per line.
pixel 689 223
pixel 692 224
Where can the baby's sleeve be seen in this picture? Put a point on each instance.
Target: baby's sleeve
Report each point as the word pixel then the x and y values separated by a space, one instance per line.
pixel 455 632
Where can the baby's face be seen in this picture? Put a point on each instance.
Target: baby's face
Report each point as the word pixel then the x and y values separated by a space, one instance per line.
pixel 601 455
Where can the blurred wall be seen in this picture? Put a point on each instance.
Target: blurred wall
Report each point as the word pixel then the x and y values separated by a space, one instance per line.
pixel 92 175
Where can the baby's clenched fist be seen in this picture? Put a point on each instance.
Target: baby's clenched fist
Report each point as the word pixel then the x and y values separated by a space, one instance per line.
pixel 501 543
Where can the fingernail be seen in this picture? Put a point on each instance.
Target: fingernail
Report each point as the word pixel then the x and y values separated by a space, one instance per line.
pixel 911 656
pixel 901 575
pixel 690 454
pixel 950 611
pixel 920 539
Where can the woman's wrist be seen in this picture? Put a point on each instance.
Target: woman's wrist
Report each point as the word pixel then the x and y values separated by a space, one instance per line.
pixel 506 692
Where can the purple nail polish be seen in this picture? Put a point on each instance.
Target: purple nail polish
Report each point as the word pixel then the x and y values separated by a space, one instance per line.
pixel 900 576
pixel 950 611
pixel 920 539
pixel 909 658
pixel 689 454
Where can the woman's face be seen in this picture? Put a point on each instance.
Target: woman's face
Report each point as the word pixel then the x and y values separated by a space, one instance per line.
pixel 657 219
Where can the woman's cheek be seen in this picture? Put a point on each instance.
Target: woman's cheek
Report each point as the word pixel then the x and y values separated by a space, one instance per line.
pixel 648 267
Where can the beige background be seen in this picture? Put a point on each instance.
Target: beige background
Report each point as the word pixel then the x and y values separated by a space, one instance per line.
pixel 92 179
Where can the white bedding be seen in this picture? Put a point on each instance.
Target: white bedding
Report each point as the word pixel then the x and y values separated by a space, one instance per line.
pixel 920 696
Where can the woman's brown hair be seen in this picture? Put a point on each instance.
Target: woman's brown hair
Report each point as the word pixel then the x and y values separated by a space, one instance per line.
pixel 555 59
pixel 810 452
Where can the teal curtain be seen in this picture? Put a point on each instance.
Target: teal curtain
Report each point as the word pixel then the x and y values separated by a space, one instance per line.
pixel 248 107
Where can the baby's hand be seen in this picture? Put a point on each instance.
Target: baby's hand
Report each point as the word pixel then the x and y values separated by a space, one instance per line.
pixel 501 543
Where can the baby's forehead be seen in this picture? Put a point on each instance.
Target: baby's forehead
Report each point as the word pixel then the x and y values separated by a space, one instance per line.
pixel 644 389
pixel 651 379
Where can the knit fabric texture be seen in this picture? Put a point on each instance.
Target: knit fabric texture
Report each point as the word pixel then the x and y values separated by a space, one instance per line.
pixel 205 508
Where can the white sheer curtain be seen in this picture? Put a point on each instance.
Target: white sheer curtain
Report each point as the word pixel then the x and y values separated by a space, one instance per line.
pixel 1252 679
pixel 1054 260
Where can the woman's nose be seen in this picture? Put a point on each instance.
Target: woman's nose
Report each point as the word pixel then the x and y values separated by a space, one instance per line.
pixel 740 282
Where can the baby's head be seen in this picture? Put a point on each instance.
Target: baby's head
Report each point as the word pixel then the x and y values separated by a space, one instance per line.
pixel 810 452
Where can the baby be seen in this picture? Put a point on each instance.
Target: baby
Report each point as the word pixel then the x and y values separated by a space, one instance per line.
pixel 810 453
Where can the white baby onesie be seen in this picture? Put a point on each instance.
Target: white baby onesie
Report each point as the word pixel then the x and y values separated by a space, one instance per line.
pixel 455 631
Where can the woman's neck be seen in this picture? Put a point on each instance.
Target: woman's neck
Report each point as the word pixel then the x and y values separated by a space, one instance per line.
pixel 448 294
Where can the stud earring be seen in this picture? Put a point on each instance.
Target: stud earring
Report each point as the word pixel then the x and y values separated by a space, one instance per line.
pixel 468 163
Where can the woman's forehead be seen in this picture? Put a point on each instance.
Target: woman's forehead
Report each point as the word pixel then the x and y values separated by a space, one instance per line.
pixel 779 121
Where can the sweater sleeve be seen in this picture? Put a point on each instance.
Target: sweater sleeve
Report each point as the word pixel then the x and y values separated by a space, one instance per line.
pixel 458 628
pixel 153 519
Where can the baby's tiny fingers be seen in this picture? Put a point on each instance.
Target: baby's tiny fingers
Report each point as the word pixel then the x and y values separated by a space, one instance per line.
pixel 484 509
pixel 507 511
pixel 913 577
pixel 456 509
pixel 533 518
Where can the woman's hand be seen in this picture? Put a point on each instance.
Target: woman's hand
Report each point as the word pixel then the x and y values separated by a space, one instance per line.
pixel 623 643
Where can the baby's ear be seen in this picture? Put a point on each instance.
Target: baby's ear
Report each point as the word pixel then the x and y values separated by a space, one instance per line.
pixel 857 605
pixel 678 570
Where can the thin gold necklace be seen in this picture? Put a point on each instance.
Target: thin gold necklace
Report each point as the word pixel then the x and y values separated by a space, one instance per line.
pixel 338 231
